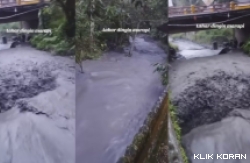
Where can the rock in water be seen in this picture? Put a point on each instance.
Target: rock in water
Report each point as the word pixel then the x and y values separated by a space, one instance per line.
pixel 224 51
pixel 4 40
pixel 241 44
pixel 111 45
pixel 28 38
pixel 226 44
pixel 172 54
pixel 23 37
pixel 172 51
pixel 14 44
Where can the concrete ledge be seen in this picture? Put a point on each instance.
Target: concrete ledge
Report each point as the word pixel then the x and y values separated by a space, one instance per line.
pixel 143 141
pixel 174 151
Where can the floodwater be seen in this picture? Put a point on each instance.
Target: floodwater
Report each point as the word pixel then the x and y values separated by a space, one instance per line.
pixel 212 96
pixel 37 107
pixel 190 49
pixel 113 98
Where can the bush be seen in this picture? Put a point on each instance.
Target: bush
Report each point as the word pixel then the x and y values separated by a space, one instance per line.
pixel 246 47
pixel 51 43
pixel 177 130
pixel 57 42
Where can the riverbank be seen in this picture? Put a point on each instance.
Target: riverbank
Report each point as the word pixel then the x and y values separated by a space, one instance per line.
pixel 37 107
pixel 211 96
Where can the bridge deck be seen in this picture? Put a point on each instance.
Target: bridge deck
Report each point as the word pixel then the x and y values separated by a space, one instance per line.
pixel 184 22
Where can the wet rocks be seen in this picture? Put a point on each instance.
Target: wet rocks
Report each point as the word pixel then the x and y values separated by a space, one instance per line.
pixel 16 86
pixel 224 51
pixel 4 40
pixel 172 54
pixel 14 44
pixel 211 99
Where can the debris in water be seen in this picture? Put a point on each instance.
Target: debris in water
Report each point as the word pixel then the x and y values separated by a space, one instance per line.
pixel 16 86
pixel 211 99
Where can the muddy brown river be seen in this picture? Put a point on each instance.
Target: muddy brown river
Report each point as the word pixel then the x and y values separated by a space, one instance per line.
pixel 113 99
pixel 37 107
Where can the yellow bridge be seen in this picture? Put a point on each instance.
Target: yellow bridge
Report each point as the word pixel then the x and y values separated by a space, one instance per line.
pixel 21 11
pixel 13 3
pixel 214 8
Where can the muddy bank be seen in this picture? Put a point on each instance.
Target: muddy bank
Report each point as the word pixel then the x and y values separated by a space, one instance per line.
pixel 212 98
pixel 114 97
pixel 37 107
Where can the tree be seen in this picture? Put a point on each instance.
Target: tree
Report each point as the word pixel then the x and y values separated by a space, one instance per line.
pixel 68 7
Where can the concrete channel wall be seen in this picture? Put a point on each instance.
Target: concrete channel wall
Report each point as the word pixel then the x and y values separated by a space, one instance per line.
pixel 143 142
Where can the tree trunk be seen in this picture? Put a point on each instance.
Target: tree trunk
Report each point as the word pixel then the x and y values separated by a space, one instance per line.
pixel 81 67
pixel 92 25
pixel 70 26
pixel 70 17
pixel 69 10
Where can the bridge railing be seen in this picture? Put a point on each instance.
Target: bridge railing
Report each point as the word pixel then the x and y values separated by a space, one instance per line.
pixel 6 3
pixel 188 10
pixel 9 3
pixel 29 2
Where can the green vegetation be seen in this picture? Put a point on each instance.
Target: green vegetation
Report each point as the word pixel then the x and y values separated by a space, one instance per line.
pixel 246 47
pixel 162 69
pixel 178 36
pixel 177 130
pixel 159 148
pixel 219 35
pixel 175 47
pixel 4 27
pixel 56 17
pixel 180 3
pixel 14 25
pixel 207 36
